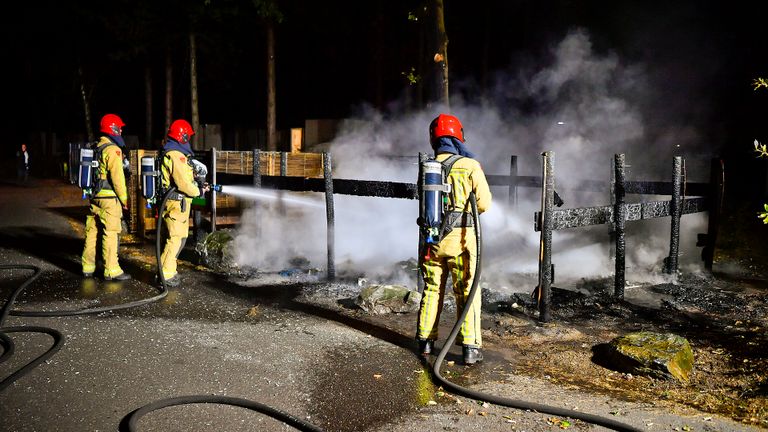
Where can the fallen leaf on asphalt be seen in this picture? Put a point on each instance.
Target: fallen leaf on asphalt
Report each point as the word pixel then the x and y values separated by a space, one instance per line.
pixel 377 376
pixel 469 412
pixel 431 403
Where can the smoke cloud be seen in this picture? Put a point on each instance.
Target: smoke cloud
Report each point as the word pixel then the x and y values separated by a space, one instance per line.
pixel 582 106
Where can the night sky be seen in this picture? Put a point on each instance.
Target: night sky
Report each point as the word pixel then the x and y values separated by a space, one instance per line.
pixel 336 57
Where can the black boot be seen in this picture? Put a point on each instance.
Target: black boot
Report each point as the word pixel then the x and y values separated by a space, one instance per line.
pixel 472 354
pixel 121 277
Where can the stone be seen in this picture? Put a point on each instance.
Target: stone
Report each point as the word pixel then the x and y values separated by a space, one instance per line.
pixel 217 252
pixel 661 355
pixel 384 299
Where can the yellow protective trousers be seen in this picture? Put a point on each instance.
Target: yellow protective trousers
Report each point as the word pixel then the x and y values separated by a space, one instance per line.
pixel 106 215
pixel 456 255
pixel 177 224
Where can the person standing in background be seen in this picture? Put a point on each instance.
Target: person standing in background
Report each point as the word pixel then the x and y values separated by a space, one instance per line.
pixel 22 164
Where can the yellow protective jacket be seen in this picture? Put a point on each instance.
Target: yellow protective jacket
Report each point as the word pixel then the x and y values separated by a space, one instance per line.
pixel 177 172
pixel 111 170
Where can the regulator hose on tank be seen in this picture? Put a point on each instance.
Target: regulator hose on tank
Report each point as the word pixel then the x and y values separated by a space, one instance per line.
pixel 512 403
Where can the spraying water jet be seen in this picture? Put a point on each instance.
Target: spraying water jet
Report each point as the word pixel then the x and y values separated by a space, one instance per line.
pixel 259 194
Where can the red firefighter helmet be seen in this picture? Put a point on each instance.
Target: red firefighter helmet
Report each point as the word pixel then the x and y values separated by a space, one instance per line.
pixel 112 124
pixel 446 125
pixel 181 131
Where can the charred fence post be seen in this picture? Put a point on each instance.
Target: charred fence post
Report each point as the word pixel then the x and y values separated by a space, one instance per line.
pixel 619 221
pixel 612 223
pixel 675 210
pixel 513 182
pixel 213 192
pixel 545 244
pixel 419 274
pixel 328 177
pixel 283 173
pixel 256 168
pixel 257 206
pixel 715 207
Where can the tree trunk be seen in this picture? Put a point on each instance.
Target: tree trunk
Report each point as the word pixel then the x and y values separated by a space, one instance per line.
pixel 193 90
pixel 378 75
pixel 86 105
pixel 148 97
pixel 168 90
pixel 441 54
pixel 271 89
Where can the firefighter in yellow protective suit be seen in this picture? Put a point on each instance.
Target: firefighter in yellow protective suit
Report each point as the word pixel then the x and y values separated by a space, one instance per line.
pixel 456 253
pixel 108 200
pixel 176 171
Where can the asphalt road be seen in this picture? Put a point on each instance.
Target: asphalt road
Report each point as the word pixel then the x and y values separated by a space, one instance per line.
pixel 264 342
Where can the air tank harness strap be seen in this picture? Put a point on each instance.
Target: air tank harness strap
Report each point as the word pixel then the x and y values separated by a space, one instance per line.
pixel 178 196
pixel 459 220
pixel 105 184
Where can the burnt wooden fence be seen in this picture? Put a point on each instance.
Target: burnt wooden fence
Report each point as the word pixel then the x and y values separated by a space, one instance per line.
pixel 686 198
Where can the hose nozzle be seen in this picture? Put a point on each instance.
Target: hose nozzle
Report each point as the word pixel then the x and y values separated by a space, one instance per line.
pixel 216 188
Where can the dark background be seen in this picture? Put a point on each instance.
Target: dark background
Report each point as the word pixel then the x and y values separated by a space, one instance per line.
pixel 335 57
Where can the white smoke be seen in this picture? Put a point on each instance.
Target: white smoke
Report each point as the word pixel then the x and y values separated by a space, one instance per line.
pixel 579 105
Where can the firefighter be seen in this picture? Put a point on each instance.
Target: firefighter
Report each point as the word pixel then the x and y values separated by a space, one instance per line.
pixel 177 171
pixel 108 199
pixel 456 252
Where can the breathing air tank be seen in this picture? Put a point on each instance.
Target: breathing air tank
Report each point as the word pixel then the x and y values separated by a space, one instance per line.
pixel 432 192
pixel 148 178
pixel 85 171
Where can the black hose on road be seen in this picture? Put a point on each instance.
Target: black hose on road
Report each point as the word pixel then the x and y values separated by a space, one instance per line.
pixel 129 422
pixel 7 343
pixel 512 403
pixel 58 339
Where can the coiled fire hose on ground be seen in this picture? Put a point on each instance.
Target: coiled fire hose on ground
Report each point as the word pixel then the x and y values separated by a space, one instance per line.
pixel 7 344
